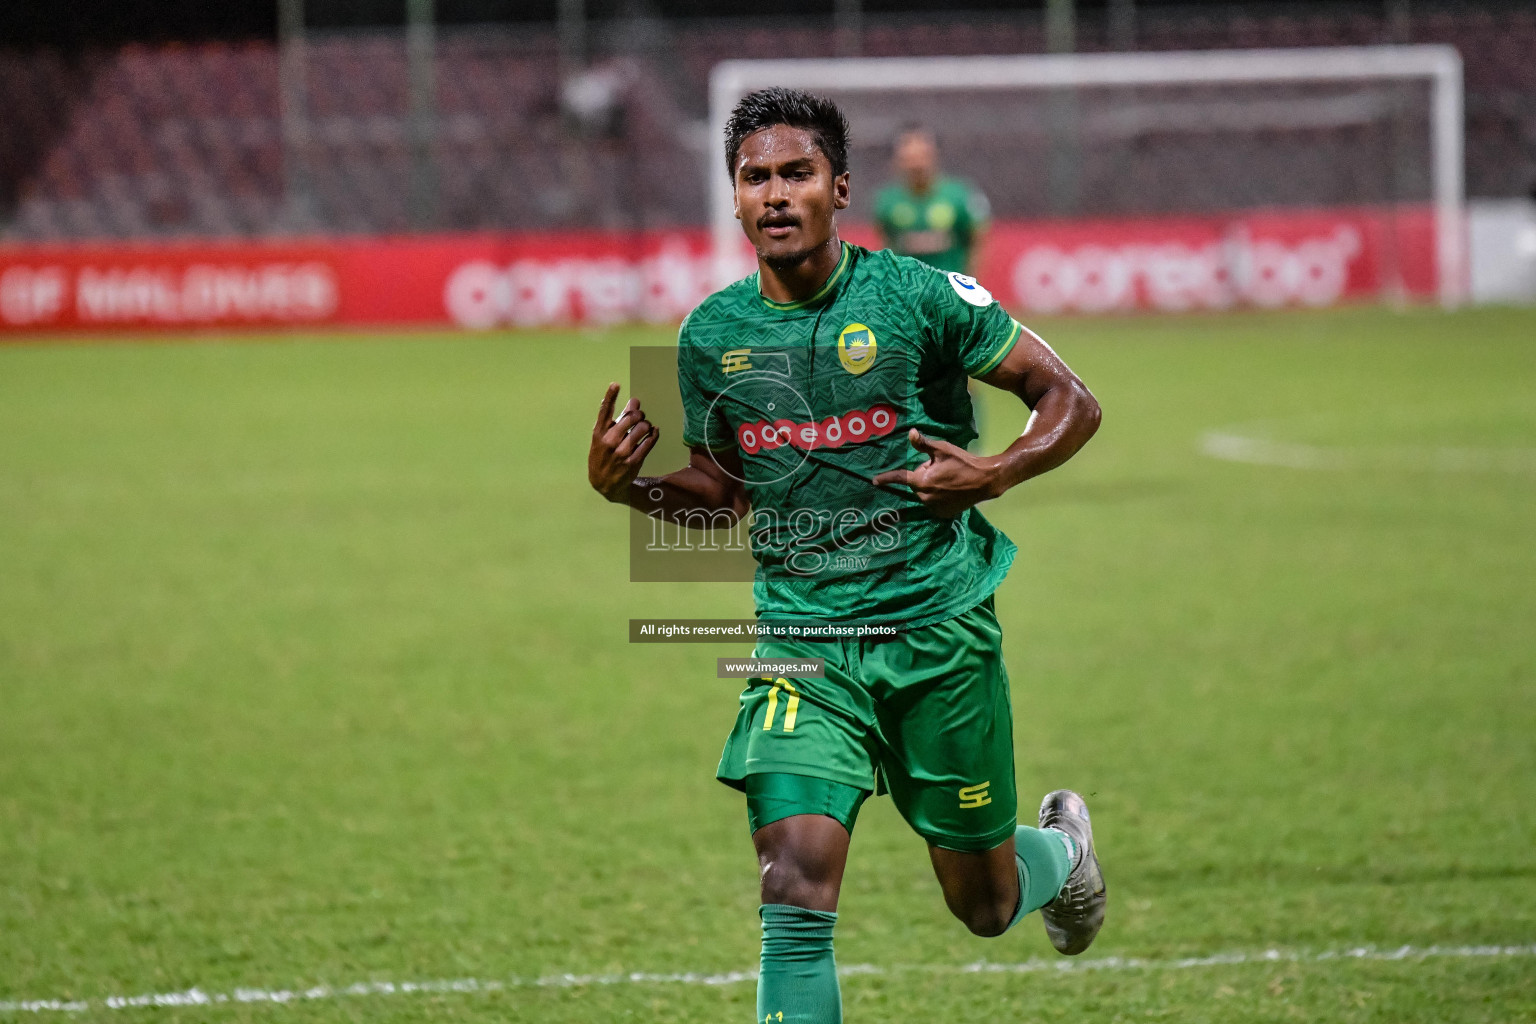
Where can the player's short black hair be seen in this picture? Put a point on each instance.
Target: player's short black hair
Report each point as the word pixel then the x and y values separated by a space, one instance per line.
pixel 767 107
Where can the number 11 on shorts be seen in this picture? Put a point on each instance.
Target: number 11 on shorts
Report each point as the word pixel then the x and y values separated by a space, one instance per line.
pixel 790 709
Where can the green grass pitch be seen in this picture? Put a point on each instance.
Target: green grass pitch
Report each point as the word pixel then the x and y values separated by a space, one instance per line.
pixel 313 672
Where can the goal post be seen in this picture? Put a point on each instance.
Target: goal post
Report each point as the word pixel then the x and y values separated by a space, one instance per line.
pixel 1223 74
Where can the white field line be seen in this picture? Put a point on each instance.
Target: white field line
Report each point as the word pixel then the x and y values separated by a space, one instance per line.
pixel 1259 451
pixel 198 997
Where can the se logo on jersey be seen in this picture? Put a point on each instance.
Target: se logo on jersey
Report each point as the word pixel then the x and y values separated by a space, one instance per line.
pixel 736 359
pixel 969 289
pixel 856 348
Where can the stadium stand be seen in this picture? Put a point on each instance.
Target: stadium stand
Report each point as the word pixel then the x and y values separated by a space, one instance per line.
pixel 187 140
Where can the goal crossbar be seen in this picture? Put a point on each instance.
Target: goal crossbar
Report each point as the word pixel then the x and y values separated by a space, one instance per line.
pixel 1440 65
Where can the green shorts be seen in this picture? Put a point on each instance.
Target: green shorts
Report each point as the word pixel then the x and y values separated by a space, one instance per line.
pixel 925 716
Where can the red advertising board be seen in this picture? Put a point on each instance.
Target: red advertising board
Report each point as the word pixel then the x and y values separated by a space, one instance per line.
pixel 477 281
pixel 1272 259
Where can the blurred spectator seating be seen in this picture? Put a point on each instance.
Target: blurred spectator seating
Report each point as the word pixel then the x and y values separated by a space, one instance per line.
pixel 188 139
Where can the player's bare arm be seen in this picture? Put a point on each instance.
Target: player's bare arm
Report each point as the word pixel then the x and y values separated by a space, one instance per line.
pixel 1064 415
pixel 617 454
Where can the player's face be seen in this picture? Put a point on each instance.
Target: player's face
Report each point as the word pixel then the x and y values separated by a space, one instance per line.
pixel 786 194
pixel 917 158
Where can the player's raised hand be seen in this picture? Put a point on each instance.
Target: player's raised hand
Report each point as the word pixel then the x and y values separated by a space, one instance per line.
pixel 619 446
pixel 951 481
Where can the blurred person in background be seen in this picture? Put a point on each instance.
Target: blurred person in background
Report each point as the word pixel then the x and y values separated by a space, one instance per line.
pixel 926 214
pixel 931 216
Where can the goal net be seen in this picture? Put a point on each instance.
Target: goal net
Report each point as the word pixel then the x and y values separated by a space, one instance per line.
pixel 1165 180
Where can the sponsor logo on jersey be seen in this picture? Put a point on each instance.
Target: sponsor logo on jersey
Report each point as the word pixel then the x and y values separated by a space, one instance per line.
pixel 969 289
pixel 856 348
pixel 735 360
pixel 833 432
pixel 975 796
pixel 925 243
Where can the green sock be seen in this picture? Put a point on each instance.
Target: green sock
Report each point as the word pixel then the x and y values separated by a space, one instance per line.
pixel 1045 859
pixel 798 980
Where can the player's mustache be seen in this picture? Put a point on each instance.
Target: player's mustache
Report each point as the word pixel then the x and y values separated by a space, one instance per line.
pixel 777 220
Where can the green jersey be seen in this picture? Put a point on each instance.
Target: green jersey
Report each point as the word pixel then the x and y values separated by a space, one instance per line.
pixel 817 397
pixel 937 227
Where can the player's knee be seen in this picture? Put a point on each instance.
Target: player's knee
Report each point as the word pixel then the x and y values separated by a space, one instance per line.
pixel 985 918
pixel 797 883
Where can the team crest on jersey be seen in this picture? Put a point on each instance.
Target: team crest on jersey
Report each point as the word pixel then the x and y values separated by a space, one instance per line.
pixel 969 289
pixel 856 348
pixel 736 359
pixel 941 216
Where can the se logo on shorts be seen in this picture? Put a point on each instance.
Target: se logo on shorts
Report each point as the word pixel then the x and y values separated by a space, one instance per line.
pixel 975 796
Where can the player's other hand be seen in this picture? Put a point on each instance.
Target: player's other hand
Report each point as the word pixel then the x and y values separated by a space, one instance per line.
pixel 619 446
pixel 951 481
